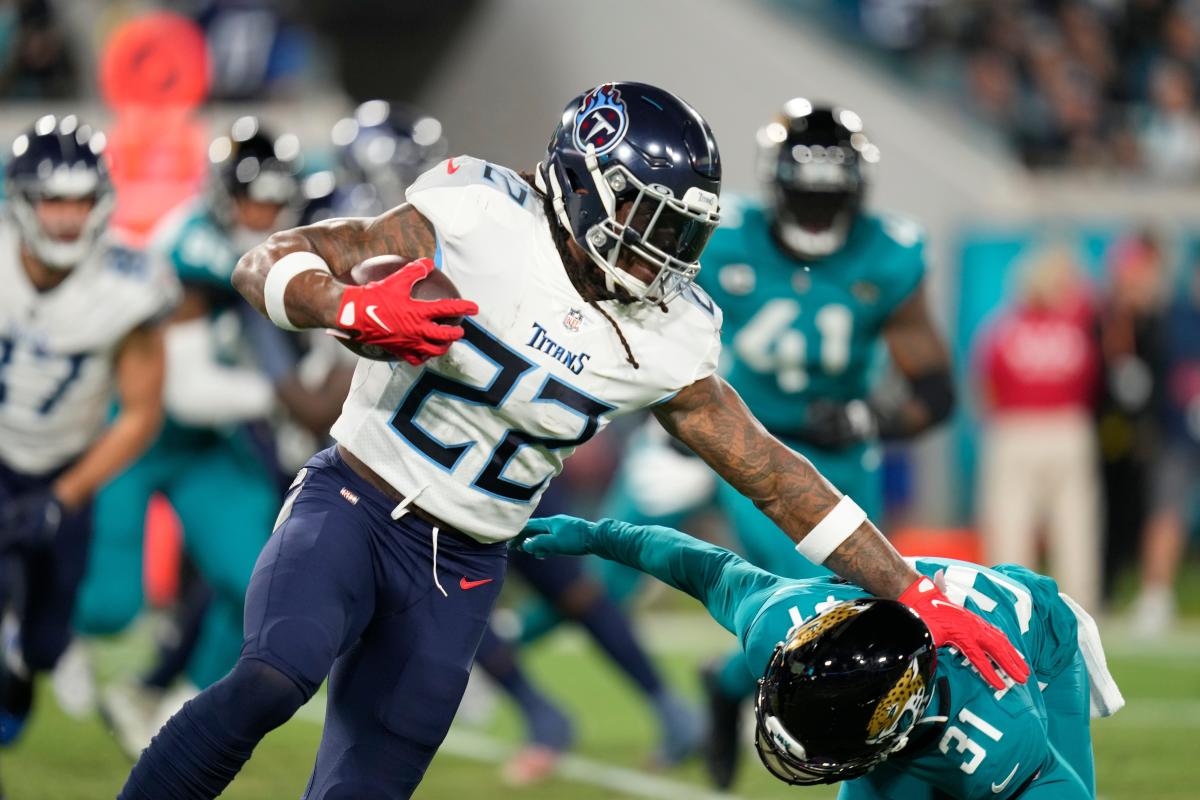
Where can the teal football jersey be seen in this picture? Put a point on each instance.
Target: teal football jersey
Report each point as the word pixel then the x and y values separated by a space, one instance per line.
pixel 992 742
pixel 203 257
pixel 987 744
pixel 796 330
pixel 199 249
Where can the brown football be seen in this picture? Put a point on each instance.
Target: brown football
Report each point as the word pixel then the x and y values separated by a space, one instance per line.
pixel 435 286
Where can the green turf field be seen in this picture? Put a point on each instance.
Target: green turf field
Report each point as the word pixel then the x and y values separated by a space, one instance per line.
pixel 1147 752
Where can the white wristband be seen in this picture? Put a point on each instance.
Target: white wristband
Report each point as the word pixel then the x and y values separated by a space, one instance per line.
pixel 278 278
pixel 833 529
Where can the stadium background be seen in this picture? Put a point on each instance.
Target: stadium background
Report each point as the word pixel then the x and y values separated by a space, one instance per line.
pixel 496 73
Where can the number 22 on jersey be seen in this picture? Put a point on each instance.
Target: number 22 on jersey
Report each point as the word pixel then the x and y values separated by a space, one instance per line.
pixel 770 344
pixel 511 367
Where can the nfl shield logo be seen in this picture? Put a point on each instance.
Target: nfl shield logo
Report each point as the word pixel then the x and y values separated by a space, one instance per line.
pixel 573 321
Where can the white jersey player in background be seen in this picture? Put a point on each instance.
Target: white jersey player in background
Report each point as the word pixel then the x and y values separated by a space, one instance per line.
pixel 389 552
pixel 79 327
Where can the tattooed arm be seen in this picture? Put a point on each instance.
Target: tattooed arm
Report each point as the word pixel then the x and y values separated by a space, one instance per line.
pixel 711 419
pixel 313 297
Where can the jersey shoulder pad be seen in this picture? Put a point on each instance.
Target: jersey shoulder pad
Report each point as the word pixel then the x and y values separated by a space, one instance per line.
pixel 904 232
pixel 896 257
pixel 735 209
pixel 138 282
pixel 198 250
pixel 461 192
pixel 699 299
pixel 126 262
pixel 741 232
pixel 688 338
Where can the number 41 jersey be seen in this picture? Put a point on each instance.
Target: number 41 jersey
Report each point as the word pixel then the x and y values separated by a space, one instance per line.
pixel 475 435
pixel 798 331
pixel 57 348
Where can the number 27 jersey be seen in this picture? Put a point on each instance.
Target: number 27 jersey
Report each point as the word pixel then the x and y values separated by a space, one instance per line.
pixel 58 348
pixel 475 435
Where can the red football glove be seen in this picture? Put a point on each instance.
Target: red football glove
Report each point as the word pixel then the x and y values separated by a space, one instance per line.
pixel 978 640
pixel 384 313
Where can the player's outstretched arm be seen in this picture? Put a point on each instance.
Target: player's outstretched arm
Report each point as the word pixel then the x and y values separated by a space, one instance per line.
pixel 711 419
pixel 719 579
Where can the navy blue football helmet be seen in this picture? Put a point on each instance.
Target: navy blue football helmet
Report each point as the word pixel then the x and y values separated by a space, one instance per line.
pixel 250 162
pixel 631 166
pixel 322 198
pixel 58 158
pixel 844 691
pixel 381 150
pixel 813 158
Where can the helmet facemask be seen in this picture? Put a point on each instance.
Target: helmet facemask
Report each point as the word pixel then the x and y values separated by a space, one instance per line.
pixel 645 222
pixel 65 183
pixel 816 204
pixel 248 165
pixel 814 164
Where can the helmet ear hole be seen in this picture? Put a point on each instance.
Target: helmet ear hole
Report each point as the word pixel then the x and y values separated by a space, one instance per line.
pixel 574 184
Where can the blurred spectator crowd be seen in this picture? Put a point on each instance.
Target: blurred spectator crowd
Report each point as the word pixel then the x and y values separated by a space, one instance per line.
pixel 1090 402
pixel 1105 85
pixel 257 47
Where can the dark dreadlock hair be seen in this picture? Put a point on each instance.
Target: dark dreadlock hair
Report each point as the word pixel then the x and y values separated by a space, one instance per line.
pixel 584 277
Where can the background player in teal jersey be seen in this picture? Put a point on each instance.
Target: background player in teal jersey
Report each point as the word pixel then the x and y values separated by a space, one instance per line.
pixel 851 688
pixel 214 458
pixel 809 283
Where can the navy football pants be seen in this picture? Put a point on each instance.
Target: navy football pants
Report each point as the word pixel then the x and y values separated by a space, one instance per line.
pixel 341 590
pixel 42 582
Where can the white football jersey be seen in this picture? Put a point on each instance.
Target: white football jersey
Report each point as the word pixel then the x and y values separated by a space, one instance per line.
pixel 477 434
pixel 57 348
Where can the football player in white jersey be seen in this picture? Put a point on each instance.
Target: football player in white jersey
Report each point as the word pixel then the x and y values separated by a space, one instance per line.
pixel 79 318
pixel 390 549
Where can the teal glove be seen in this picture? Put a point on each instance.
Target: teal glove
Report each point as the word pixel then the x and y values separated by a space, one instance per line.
pixel 560 535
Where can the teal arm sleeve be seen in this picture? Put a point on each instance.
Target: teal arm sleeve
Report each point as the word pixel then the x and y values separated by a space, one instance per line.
pixel 719 579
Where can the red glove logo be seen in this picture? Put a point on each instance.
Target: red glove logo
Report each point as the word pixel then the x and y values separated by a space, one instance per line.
pixel 384 313
pixel 978 640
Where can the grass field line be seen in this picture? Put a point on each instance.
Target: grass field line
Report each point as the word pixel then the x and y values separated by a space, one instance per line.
pixel 481 747
pixel 1158 712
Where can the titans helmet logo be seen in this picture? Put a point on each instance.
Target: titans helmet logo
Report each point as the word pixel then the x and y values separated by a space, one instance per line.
pixel 602 120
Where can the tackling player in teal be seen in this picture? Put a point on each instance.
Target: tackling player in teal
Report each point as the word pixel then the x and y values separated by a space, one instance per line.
pixel 809 283
pixel 852 688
